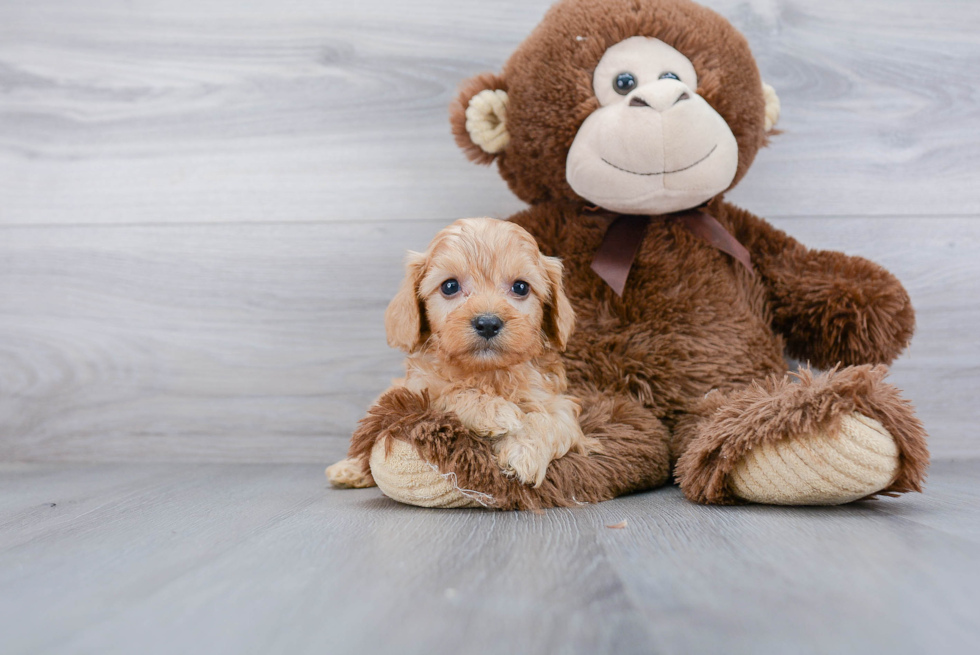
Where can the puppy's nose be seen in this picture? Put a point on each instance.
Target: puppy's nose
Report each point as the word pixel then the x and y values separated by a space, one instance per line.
pixel 487 325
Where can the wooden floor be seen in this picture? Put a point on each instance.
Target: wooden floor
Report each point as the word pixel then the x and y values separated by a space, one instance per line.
pixel 237 558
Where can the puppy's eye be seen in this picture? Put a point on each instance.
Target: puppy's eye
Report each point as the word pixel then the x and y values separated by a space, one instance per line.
pixel 670 76
pixel 521 288
pixel 624 83
pixel 450 287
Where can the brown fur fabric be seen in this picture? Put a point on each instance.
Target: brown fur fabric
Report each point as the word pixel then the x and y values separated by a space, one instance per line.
pixel 689 363
pixel 829 307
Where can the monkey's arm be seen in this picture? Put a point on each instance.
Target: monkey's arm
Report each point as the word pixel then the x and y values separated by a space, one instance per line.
pixel 830 307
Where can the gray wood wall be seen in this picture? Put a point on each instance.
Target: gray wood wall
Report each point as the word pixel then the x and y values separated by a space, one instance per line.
pixel 204 204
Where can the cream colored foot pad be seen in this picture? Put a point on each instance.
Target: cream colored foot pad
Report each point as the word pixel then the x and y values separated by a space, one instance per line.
pixel 347 474
pixel 403 476
pixel 819 469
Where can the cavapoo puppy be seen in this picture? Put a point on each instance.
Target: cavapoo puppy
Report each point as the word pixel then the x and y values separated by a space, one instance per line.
pixel 483 316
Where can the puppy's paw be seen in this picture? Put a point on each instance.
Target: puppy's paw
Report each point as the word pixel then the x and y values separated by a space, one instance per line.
pixel 525 463
pixel 496 420
pixel 509 418
pixel 488 430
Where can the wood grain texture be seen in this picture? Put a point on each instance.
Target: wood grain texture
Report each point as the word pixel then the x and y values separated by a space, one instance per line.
pixel 138 111
pixel 246 559
pixel 255 343
pixel 204 206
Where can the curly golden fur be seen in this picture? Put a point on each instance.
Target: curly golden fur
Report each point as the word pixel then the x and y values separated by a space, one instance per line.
pixel 507 388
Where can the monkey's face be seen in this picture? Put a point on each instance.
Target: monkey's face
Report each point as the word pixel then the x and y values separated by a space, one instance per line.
pixel 638 106
pixel 654 146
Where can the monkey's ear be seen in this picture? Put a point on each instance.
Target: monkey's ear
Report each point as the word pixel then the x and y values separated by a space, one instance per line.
pixel 559 317
pixel 772 106
pixel 405 321
pixel 479 117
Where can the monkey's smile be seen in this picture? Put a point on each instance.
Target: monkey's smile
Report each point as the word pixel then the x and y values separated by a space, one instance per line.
pixel 663 172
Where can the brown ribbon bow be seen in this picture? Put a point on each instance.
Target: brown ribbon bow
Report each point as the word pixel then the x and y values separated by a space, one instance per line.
pixel 623 238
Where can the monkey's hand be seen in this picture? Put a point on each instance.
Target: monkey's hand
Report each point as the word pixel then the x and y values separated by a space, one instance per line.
pixel 837 309
pixel 831 308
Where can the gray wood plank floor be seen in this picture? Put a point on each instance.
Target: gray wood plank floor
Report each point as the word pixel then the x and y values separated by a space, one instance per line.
pixel 231 558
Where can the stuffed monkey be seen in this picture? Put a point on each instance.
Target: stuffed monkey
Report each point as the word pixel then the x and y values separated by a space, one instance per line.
pixel 622 123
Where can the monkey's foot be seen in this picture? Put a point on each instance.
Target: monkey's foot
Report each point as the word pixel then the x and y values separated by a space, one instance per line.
pixel 404 476
pixel 349 474
pixel 857 460
pixel 816 440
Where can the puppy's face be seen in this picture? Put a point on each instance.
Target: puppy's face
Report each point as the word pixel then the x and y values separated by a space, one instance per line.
pixel 481 297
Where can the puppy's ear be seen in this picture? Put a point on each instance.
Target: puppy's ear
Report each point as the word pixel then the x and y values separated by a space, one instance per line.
pixel 405 321
pixel 479 117
pixel 559 317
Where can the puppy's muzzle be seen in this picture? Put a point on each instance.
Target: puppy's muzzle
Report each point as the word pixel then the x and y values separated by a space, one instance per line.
pixel 487 325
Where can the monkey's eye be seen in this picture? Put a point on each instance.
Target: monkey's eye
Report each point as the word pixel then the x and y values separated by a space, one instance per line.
pixel 624 83
pixel 450 287
pixel 670 76
pixel 521 288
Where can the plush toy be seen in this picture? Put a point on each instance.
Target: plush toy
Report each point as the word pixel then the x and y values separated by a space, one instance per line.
pixel 622 123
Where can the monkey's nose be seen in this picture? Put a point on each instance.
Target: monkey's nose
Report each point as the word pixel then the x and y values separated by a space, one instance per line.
pixel 660 99
pixel 487 325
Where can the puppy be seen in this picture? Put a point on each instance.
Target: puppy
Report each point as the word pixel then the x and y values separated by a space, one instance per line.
pixel 483 316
